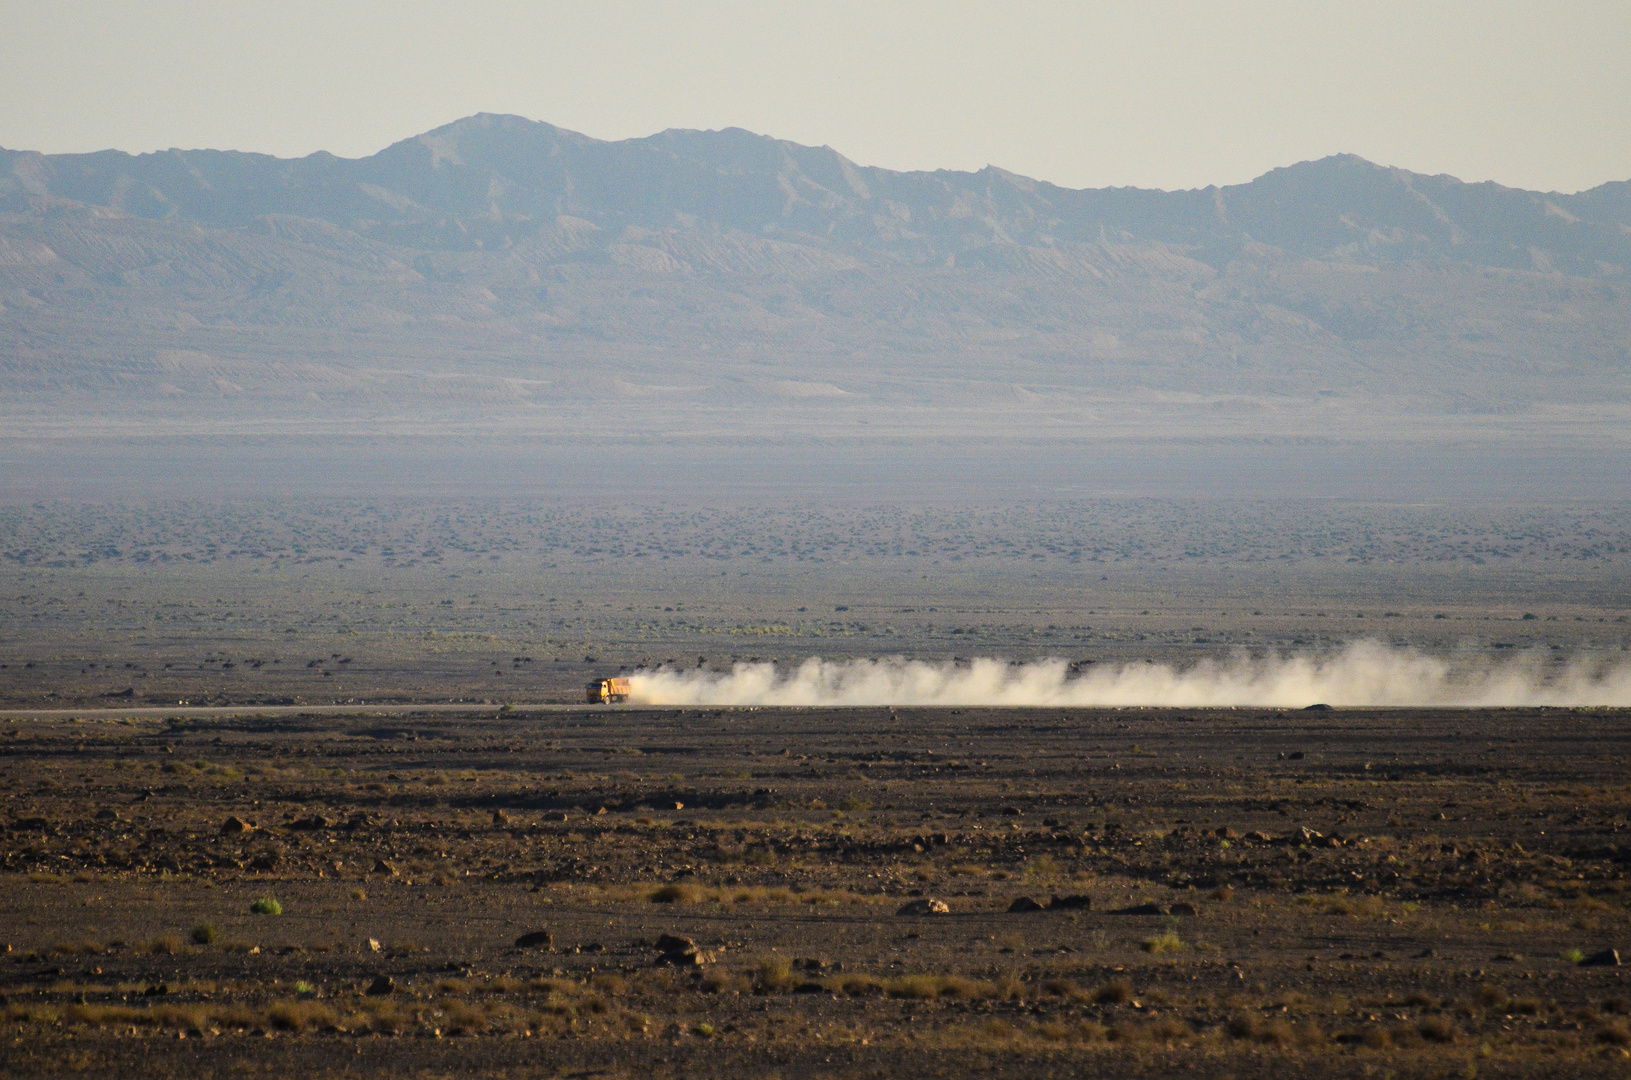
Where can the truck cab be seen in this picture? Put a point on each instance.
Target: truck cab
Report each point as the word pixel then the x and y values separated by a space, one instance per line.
pixel 607 691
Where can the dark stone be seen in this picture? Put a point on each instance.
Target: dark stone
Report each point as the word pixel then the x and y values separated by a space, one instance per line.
pixel 537 939
pixel 1073 902
pixel 381 986
pixel 1144 909
pixel 1024 903
pixel 1317 707
pixel 674 943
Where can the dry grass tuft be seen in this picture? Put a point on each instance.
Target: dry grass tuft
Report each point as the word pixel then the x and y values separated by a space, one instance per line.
pixel 683 893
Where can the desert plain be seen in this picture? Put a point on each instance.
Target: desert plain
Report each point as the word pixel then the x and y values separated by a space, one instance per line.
pixel 327 800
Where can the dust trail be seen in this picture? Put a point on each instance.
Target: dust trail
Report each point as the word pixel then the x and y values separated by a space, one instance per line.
pixel 1363 673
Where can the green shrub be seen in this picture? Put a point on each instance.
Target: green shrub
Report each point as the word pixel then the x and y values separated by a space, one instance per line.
pixel 266 906
pixel 1162 943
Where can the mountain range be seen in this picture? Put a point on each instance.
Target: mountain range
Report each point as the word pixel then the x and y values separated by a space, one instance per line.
pixel 501 270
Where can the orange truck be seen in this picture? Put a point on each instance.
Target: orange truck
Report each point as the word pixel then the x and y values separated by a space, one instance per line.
pixel 607 691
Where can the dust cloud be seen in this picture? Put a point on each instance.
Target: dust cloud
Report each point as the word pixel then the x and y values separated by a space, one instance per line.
pixel 1363 673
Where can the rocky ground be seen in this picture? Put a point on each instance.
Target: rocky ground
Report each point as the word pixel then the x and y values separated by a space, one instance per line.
pixel 721 893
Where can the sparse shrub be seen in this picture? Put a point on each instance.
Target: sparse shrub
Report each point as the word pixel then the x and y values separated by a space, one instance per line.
pixel 1572 956
pixel 205 934
pixel 1614 1035
pixel 682 893
pixel 78 948
pixel 1114 992
pixel 266 905
pixel 858 985
pixel 1162 943
pixel 164 946
pixel 1436 1029
pixel 720 981
pixel 851 805
pixel 1166 1030
pixel 774 973
pixel 932 986
pixel 612 985
pixel 1039 867
pixel 298 1016
pixel 1491 997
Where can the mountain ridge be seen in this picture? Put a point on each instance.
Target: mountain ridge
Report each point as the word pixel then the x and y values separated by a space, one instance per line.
pixel 503 268
pixel 521 172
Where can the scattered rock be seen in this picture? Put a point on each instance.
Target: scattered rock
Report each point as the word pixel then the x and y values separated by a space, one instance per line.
pixel 811 963
pixel 233 825
pixel 537 939
pixel 373 945
pixel 266 863
pixel 679 806
pixel 1225 832
pixel 383 867
pixel 500 818
pixel 674 943
pixel 1606 958
pixel 682 958
pixel 1024 903
pixel 382 985
pixel 310 824
pixel 1073 902
pixel 924 906
pixel 107 814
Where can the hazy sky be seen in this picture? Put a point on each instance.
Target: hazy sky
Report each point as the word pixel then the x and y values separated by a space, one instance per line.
pixel 1085 94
